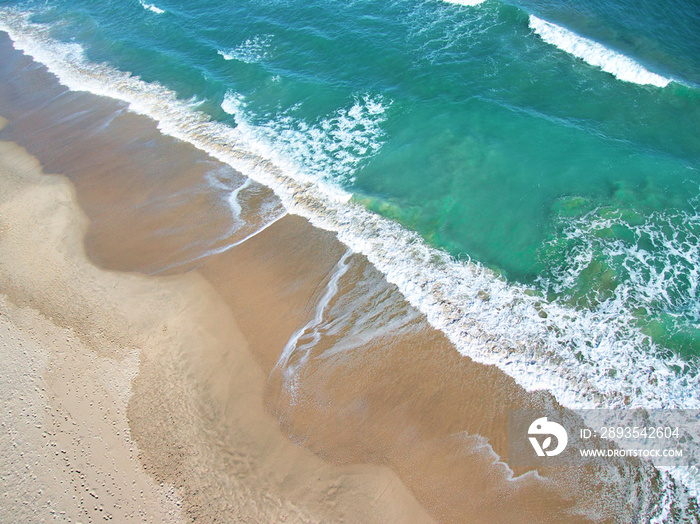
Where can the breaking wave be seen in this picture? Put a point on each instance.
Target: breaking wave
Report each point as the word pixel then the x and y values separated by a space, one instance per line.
pixel 330 149
pixel 619 65
pixel 251 51
pixel 151 7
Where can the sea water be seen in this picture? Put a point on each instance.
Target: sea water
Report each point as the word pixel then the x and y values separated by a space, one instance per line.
pixel 526 172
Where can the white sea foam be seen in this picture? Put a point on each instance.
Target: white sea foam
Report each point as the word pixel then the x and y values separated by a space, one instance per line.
pixel 585 358
pixel 306 338
pixel 250 51
pixel 367 311
pixel 245 222
pixel 330 149
pixel 233 200
pixel 619 65
pixel 151 7
pixel 658 262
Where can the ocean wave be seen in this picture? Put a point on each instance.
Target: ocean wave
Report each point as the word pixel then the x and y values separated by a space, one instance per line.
pixel 586 358
pixel 619 65
pixel 574 353
pixel 251 51
pixel 655 262
pixel 329 150
pixel 151 7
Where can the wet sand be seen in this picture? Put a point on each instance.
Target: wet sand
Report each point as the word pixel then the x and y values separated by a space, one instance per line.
pixel 373 417
pixel 112 388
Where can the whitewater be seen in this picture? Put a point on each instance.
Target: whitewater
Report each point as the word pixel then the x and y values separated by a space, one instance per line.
pixel 622 67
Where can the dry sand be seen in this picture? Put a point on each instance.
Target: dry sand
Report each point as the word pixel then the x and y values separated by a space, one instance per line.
pixel 87 351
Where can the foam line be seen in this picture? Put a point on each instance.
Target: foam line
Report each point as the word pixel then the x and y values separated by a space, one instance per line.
pixel 222 249
pixel 310 333
pixel 233 199
pixel 619 65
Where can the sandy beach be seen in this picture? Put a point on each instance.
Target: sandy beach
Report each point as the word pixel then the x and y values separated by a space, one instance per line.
pixel 149 374
pixel 74 338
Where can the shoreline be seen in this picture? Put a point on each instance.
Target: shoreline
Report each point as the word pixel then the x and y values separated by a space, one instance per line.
pixel 466 301
pixel 383 408
pixel 104 376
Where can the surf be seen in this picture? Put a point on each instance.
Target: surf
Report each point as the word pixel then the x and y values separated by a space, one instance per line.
pixel 595 54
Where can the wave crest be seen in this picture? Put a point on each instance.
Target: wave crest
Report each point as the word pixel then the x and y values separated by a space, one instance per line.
pixel 151 7
pixel 595 54
pixel 251 51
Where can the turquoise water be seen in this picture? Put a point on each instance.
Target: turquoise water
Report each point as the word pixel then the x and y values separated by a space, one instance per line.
pixel 562 157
